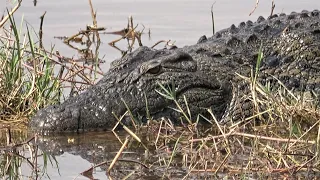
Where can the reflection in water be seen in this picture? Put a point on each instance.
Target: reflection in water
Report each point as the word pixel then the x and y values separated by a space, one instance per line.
pixel 158 156
pixel 129 33
pixel 69 167
pixel 100 149
pixel 68 156
pixel 19 155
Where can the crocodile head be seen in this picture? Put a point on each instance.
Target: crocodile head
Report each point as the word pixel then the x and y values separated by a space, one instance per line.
pixel 131 83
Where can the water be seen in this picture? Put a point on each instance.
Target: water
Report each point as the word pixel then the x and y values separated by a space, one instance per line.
pixel 182 21
pixel 77 153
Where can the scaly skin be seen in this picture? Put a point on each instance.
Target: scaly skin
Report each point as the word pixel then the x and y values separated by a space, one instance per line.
pixel 129 79
pixel 205 73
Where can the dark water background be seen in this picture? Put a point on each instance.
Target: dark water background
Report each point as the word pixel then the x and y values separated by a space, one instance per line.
pixel 182 21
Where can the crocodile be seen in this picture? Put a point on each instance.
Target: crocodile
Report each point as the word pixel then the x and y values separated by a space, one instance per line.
pixel 205 75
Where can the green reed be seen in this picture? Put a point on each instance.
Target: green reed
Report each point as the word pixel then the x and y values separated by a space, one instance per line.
pixel 27 80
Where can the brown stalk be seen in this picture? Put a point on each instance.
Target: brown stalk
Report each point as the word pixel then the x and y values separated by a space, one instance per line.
pixel 61 64
pixel 40 31
pixel 127 35
pixel 131 133
pixel 124 145
pixel 253 136
pixel 272 7
pixel 212 18
pixel 82 32
pixel 158 134
pixel 90 170
pixel 161 41
pixel 94 20
pixel 255 7
pixel 93 15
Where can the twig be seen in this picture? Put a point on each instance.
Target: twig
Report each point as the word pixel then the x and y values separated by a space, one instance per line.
pixel 241 170
pixel 163 41
pixel 73 81
pixel 272 7
pixel 93 15
pixel 94 20
pixel 253 136
pixel 157 43
pixel 10 146
pixel 118 155
pixel 212 18
pixel 138 36
pixel 223 162
pixel 84 32
pixel 106 162
pixel 95 28
pixel 273 139
pixel 58 62
pixel 4 20
pixel 125 36
pixel 257 3
pixel 40 31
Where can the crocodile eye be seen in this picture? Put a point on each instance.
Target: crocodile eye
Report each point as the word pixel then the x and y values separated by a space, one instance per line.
pixel 154 70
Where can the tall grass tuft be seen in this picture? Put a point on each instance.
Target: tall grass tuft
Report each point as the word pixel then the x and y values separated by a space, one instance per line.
pixel 27 80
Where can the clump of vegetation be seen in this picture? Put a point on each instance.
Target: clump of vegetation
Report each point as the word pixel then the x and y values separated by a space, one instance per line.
pixel 33 77
pixel 27 80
